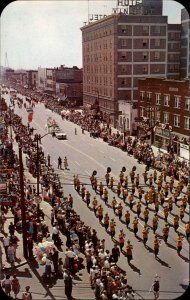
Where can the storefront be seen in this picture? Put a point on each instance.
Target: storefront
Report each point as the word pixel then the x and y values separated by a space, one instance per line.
pixel 184 151
pixel 162 138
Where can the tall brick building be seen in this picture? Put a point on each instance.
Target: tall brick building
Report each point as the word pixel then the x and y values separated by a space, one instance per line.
pixel 120 49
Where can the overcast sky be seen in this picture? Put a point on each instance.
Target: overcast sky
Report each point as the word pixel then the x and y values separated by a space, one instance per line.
pixel 47 33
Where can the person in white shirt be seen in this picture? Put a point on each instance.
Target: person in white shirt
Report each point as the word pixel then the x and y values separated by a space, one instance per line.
pixel 6 242
pixel 55 234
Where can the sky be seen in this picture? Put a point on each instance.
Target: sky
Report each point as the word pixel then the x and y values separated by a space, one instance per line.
pixel 47 33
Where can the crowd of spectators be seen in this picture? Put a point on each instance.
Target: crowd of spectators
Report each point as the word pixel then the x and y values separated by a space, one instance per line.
pixel 105 277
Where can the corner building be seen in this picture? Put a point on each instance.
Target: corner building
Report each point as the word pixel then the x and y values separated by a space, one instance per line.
pixel 117 51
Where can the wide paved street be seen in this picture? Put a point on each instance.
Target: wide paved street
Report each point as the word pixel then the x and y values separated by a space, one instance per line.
pixel 86 154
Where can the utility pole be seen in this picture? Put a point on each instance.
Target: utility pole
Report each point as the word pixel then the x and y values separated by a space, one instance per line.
pixel 11 133
pixel 23 208
pixel 124 121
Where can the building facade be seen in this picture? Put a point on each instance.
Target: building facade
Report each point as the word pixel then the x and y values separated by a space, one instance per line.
pixel 46 80
pixel 185 45
pixel 173 51
pixel 32 79
pixel 120 49
pixel 117 51
pixel 69 85
pixel 164 108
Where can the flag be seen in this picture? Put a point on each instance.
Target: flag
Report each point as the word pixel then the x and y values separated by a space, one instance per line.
pixel 30 117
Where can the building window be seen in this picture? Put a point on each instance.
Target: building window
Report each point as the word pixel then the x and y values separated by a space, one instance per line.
pixel 157 116
pixel 141 95
pixel 158 98
pixel 172 35
pixel 145 29
pixel 123 69
pixel 187 103
pixel 123 29
pixel 171 57
pixel 145 55
pixel 157 43
pixel 166 100
pixel 157 55
pixel 156 69
pixel 145 69
pixel 177 120
pixel 124 43
pixel 149 95
pixel 157 29
pixel 187 123
pixel 166 117
pixel 177 101
pixel 145 42
pixel 142 111
pixel 123 55
pixel 123 82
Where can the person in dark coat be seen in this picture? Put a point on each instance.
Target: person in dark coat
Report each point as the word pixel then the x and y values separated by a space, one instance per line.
pixel 115 253
pixel 68 284
pixel 68 241
pixel 55 259
pixel 30 246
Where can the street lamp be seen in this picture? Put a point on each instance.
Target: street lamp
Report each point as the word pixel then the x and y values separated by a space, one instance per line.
pixel 23 208
pixel 10 113
pixel 37 197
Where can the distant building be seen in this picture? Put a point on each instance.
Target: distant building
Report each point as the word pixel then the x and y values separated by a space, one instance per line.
pixel 69 87
pixel 32 79
pixel 46 80
pixel 164 111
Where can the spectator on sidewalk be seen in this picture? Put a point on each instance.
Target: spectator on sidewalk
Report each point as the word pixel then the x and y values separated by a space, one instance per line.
pixel 68 284
pixel 11 228
pixel 6 284
pixel 27 295
pixel 11 253
pixel 6 242
pixel 15 285
pixel 55 259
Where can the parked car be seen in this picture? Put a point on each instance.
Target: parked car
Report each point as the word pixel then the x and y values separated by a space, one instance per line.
pixel 61 136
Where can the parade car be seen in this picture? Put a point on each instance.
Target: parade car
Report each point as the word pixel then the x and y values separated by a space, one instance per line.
pixel 61 135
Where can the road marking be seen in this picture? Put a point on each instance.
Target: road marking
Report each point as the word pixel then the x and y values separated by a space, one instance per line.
pixel 77 163
pixel 87 172
pixel 112 158
pixel 101 151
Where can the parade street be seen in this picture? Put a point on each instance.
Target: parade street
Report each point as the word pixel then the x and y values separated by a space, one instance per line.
pixel 86 154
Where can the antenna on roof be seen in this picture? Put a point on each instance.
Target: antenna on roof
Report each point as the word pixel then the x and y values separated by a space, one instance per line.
pixel 6 61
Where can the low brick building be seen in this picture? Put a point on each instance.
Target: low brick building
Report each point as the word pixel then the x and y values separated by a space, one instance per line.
pixel 164 111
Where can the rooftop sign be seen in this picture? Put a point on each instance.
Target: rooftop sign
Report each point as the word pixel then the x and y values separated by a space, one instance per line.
pixel 125 7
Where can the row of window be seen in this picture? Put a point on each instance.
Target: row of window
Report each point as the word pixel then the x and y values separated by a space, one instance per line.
pixel 157 55
pixel 97 34
pixel 104 69
pixel 103 91
pixel 107 81
pixel 104 44
pixel 166 117
pixel 176 103
pixel 145 29
pixel 144 42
